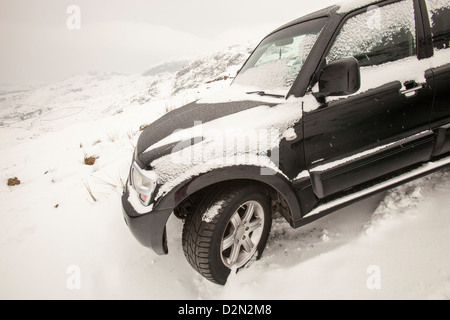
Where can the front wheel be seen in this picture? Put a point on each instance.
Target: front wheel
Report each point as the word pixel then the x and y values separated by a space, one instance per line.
pixel 228 228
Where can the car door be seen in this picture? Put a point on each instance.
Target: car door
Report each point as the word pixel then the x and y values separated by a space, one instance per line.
pixel 385 125
pixel 439 21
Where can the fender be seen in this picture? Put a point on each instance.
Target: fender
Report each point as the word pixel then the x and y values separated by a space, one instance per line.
pixel 244 172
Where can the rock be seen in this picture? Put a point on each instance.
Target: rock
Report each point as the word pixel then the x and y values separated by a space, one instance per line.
pixel 89 160
pixel 13 181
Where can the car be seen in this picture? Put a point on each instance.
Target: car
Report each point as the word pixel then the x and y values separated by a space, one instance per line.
pixel 329 109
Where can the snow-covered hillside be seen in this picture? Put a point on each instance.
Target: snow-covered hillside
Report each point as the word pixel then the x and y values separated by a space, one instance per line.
pixel 61 229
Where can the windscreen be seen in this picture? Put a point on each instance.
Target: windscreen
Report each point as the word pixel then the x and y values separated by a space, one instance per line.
pixel 275 64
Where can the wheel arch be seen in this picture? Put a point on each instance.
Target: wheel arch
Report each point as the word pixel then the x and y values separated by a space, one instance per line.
pixel 271 180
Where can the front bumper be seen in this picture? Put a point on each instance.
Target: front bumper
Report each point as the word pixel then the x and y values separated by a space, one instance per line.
pixel 150 228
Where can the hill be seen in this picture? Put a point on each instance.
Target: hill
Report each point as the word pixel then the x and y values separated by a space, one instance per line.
pixel 62 235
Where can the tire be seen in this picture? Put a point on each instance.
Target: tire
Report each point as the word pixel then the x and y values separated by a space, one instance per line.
pixel 229 228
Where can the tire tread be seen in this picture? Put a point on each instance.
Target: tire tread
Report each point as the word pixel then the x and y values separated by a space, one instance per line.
pixel 198 234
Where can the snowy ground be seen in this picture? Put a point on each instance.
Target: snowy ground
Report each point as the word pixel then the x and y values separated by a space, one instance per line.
pixel 392 246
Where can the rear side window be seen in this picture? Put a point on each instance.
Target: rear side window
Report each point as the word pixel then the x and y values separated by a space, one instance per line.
pixel 439 14
pixel 377 36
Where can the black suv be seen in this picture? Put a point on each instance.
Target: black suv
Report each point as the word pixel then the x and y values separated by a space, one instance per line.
pixel 328 109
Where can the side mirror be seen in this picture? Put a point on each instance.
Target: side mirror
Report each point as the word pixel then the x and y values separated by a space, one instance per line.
pixel 339 78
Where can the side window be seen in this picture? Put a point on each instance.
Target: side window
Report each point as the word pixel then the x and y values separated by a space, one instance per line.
pixel 377 36
pixel 439 14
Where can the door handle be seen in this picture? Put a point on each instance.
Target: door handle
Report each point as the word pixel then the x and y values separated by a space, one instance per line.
pixel 411 92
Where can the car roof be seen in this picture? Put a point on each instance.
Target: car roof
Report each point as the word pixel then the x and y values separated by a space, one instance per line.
pixel 340 8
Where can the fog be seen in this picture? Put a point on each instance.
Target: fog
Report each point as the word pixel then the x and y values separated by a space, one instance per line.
pixel 49 40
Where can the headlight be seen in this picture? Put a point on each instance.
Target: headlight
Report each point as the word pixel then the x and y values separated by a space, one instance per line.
pixel 144 182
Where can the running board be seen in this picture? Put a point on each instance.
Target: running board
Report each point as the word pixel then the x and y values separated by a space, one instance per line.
pixel 346 200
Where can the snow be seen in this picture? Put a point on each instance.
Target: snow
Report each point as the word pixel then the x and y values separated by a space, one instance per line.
pixel 277 64
pixel 212 211
pixel 237 92
pixel 404 177
pixel 289 134
pixel 301 175
pixel 375 28
pixel 330 259
pixel 276 83
pixel 220 143
pixel 405 70
pixel 433 5
pixel 57 242
pixel 350 5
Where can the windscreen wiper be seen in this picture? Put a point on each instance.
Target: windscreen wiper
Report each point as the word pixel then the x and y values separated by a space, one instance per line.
pixel 262 93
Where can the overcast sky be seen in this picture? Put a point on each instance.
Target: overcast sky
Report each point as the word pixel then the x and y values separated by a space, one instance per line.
pixel 40 41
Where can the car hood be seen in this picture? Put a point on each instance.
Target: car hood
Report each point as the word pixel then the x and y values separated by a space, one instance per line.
pixel 183 118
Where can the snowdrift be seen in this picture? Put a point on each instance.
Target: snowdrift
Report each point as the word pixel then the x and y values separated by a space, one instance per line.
pixel 62 235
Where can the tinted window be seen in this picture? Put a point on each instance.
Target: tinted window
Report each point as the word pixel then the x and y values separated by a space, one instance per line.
pixel 439 14
pixel 379 35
